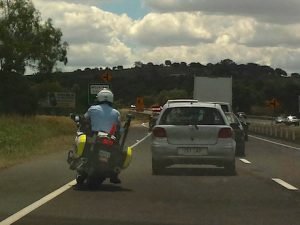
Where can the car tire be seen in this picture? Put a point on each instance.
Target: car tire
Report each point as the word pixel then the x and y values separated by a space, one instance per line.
pixel 230 168
pixel 241 151
pixel 157 167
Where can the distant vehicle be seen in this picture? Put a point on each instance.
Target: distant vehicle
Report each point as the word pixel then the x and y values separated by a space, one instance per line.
pixel 241 114
pixel 280 119
pixel 239 133
pixel 214 89
pixel 192 133
pixel 292 120
pixel 226 106
pixel 156 108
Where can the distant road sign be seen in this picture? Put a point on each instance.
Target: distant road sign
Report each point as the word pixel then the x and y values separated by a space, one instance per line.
pixel 94 89
pixel 106 76
pixel 273 103
pixel 61 99
pixel 139 105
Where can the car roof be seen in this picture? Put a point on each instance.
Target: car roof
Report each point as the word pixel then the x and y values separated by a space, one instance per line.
pixel 196 103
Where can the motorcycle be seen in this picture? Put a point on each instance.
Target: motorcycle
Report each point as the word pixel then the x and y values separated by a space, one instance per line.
pixel 99 155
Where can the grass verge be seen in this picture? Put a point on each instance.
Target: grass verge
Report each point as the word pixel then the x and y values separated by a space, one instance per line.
pixel 23 138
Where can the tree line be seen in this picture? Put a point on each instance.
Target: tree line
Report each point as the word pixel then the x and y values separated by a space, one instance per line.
pixel 27 42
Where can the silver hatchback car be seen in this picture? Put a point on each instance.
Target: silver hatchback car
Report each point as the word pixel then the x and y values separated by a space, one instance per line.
pixel 192 132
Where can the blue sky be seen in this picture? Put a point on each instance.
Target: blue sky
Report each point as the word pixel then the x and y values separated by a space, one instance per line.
pixel 133 8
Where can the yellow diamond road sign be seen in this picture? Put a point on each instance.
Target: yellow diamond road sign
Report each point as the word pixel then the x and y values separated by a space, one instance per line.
pixel 273 103
pixel 106 76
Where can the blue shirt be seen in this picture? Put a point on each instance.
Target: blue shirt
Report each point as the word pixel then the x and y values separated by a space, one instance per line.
pixel 103 117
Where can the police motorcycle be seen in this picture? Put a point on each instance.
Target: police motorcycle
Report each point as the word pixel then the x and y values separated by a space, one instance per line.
pixel 97 156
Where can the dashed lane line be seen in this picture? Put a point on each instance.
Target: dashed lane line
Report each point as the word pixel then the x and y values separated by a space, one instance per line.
pixel 245 161
pixel 285 184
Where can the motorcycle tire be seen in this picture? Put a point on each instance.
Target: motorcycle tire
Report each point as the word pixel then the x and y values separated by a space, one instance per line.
pixel 94 182
pixel 80 178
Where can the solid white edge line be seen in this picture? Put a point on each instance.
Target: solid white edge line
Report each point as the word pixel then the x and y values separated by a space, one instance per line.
pixel 273 142
pixel 284 184
pixel 133 146
pixel 23 212
pixel 245 161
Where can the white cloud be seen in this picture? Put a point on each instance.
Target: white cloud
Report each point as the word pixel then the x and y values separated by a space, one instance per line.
pixel 276 11
pixel 99 38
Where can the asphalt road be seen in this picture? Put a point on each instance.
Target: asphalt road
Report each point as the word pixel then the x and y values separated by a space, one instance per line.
pixel 183 195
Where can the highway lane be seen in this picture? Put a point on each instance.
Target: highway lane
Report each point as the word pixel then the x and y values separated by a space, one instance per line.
pixel 185 195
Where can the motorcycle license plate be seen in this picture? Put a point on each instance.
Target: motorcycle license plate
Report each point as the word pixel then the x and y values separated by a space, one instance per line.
pixel 104 156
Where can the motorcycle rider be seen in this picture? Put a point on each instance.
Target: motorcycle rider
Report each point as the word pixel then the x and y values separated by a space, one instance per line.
pixel 105 118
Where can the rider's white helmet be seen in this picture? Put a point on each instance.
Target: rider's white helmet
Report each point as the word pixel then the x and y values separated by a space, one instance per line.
pixel 105 95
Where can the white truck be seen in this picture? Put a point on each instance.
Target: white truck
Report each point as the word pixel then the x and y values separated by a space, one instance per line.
pixel 214 89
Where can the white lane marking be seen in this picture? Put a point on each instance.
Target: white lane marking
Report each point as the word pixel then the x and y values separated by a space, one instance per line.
pixel 138 142
pixel 145 125
pixel 273 142
pixel 284 184
pixel 245 161
pixel 23 212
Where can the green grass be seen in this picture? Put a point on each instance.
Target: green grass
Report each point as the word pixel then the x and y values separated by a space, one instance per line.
pixel 22 138
pixel 25 138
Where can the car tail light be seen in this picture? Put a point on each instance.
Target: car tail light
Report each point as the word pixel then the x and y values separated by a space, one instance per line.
pixel 159 132
pixel 225 133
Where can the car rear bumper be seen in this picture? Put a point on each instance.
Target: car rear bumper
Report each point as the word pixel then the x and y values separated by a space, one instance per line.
pixel 216 155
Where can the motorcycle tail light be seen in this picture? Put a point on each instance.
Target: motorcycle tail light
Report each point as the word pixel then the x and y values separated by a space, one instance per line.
pixel 107 141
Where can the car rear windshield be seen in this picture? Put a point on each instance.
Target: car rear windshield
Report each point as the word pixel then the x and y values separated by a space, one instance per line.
pixel 191 116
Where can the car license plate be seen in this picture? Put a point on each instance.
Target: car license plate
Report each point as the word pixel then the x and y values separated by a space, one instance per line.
pixel 192 151
pixel 104 156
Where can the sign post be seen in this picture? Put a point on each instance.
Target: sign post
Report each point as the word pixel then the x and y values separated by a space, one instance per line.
pixel 94 89
pixel 62 99
pixel 139 104
pixel 274 104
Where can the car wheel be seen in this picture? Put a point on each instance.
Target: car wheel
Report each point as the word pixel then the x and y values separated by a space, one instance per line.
pixel 157 167
pixel 230 168
pixel 241 150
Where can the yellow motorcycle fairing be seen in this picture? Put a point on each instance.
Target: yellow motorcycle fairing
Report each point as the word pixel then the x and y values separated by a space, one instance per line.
pixel 127 158
pixel 80 144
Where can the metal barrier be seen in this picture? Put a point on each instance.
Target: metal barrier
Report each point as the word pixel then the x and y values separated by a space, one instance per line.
pixel 276 131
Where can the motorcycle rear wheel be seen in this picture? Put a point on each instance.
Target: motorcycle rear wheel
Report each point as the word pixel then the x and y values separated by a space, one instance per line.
pixel 94 182
pixel 80 178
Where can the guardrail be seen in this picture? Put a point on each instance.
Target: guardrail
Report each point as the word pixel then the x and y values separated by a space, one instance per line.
pixel 276 131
